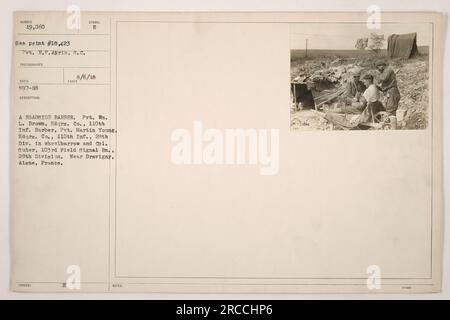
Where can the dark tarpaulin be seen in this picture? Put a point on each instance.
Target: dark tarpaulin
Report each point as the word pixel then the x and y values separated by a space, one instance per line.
pixel 402 45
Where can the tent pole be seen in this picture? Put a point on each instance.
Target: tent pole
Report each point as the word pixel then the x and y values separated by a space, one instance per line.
pixel 306 48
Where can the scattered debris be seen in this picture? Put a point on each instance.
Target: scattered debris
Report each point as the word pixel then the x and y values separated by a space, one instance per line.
pixel 327 75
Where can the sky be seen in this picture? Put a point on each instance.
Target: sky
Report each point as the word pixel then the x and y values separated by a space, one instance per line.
pixel 343 36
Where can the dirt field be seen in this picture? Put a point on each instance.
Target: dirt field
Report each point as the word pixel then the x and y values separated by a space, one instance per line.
pixel 412 78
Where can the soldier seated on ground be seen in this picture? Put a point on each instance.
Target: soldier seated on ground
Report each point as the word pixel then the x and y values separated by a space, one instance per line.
pixel 354 88
pixel 354 105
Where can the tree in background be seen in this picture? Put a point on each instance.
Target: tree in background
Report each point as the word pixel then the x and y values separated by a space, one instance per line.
pixel 361 44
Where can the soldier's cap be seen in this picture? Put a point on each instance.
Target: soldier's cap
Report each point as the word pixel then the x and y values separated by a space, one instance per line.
pixel 356 72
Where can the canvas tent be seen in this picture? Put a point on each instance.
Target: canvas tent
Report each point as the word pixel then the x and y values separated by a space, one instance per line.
pixel 402 45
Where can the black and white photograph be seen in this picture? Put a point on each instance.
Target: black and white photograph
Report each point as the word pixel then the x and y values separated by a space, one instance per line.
pixel 349 77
